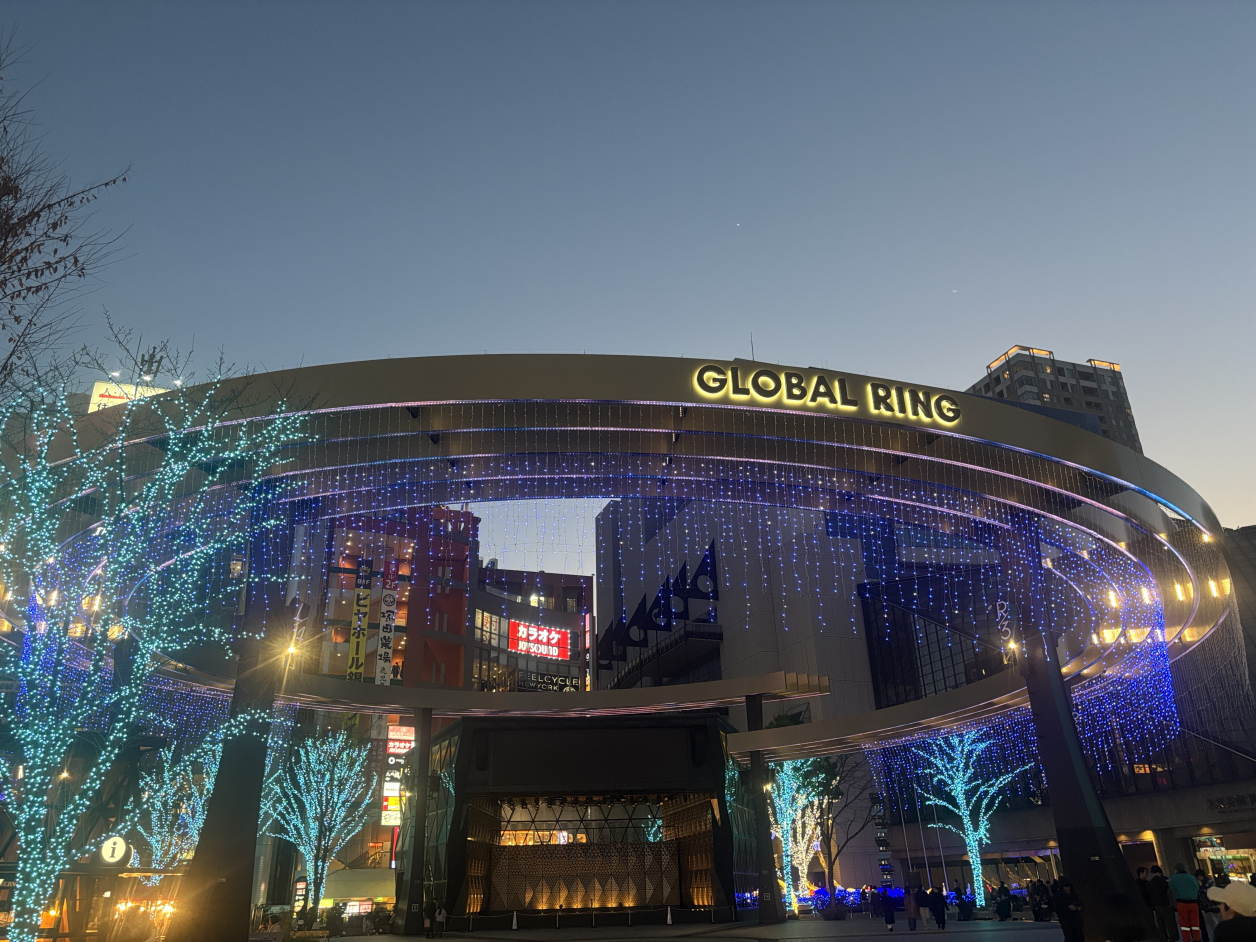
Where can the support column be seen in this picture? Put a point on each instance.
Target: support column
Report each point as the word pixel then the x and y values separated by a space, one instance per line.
pixel 215 898
pixel 1089 853
pixel 411 868
pixel 771 906
pixel 216 894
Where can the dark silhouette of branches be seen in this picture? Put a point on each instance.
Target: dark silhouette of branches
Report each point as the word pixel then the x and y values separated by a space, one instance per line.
pixel 48 251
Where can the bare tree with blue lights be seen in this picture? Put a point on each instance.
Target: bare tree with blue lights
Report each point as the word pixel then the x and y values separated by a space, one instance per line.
pixel 318 800
pixel 950 765
pixel 173 802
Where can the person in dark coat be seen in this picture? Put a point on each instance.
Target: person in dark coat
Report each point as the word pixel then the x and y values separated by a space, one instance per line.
pixel 1003 903
pixel 1068 908
pixel 1040 901
pixel 937 907
pixel 429 919
pixel 963 905
pixel 1161 906
pixel 887 907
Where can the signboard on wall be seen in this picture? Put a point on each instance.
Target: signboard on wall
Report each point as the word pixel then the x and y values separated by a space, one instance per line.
pixel 357 628
pixel 105 395
pixel 535 680
pixel 400 741
pixel 387 623
pixel 540 641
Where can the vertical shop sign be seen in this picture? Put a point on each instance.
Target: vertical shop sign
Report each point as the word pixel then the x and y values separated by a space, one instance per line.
pixel 387 623
pixel 400 742
pixel 357 629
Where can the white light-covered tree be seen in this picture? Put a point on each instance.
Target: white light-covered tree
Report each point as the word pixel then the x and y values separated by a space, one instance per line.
pixel 793 790
pixel 319 799
pixel 114 529
pixel 173 800
pixel 951 765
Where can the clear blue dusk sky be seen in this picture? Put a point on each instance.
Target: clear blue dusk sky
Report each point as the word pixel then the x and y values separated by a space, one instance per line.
pixel 901 188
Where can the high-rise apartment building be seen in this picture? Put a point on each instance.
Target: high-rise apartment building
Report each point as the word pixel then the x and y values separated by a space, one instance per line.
pixel 1091 394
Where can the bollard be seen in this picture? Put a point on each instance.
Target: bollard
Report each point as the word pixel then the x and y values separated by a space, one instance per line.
pixel 514 919
pixel 669 915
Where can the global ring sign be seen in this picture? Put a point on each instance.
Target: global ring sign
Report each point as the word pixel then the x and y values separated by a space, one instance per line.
pixel 818 390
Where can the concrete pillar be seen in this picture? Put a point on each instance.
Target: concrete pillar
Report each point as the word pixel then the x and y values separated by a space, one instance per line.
pixel 411 868
pixel 1089 852
pixel 771 906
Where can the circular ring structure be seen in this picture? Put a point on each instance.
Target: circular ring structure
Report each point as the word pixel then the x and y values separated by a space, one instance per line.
pixel 1135 548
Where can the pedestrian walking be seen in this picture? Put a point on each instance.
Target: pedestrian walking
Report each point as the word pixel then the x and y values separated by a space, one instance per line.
pixel 1184 889
pixel 440 920
pixel 429 919
pixel 963 903
pixel 937 907
pixel 911 906
pixel 1237 902
pixel 1068 909
pixel 887 908
pixel 1162 905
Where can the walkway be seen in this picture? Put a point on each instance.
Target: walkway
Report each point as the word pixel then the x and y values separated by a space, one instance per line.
pixel 859 928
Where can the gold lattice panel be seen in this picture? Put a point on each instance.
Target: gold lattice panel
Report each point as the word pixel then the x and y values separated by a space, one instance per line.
pixel 581 876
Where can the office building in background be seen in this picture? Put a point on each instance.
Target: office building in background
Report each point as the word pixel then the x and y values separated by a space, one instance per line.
pixel 1091 394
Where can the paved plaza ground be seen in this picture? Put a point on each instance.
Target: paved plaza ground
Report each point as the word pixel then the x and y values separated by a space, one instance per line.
pixel 858 927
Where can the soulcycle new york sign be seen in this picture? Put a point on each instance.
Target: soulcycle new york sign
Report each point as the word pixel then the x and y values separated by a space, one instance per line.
pixel 821 391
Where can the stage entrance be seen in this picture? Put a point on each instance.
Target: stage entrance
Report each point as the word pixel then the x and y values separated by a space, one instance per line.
pixel 603 813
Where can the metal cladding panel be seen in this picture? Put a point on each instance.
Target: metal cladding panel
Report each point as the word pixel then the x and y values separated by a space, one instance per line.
pixel 593 756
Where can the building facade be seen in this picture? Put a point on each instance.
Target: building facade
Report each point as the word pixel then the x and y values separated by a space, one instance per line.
pixel 764 520
pixel 1090 395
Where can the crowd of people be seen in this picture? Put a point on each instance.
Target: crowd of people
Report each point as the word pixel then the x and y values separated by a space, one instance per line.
pixel 1186 907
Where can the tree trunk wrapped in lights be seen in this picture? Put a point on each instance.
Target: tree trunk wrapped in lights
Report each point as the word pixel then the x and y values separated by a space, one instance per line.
pixel 319 800
pixel 116 531
pixel 950 764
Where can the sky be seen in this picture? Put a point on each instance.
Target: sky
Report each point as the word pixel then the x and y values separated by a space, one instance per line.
pixel 903 188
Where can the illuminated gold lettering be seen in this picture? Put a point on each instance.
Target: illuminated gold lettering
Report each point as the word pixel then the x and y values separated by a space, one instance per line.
pixel 880 394
pixel 900 405
pixel 711 379
pixel 795 387
pixel 738 389
pixel 773 381
pixel 846 398
pixel 946 408
pixel 920 404
pixel 820 390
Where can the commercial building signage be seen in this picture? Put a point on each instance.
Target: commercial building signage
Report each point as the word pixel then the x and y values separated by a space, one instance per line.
pixel 818 391
pixel 535 680
pixel 357 628
pixel 387 623
pixel 400 741
pixel 539 641
pixel 105 395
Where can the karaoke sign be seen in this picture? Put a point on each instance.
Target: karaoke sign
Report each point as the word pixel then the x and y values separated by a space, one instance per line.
pixel 539 641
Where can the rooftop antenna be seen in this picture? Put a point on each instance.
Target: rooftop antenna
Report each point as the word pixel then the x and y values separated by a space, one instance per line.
pixel 752 344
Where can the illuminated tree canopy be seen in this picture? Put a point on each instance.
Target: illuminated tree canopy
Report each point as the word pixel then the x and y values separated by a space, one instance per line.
pixel 951 765
pixel 116 532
